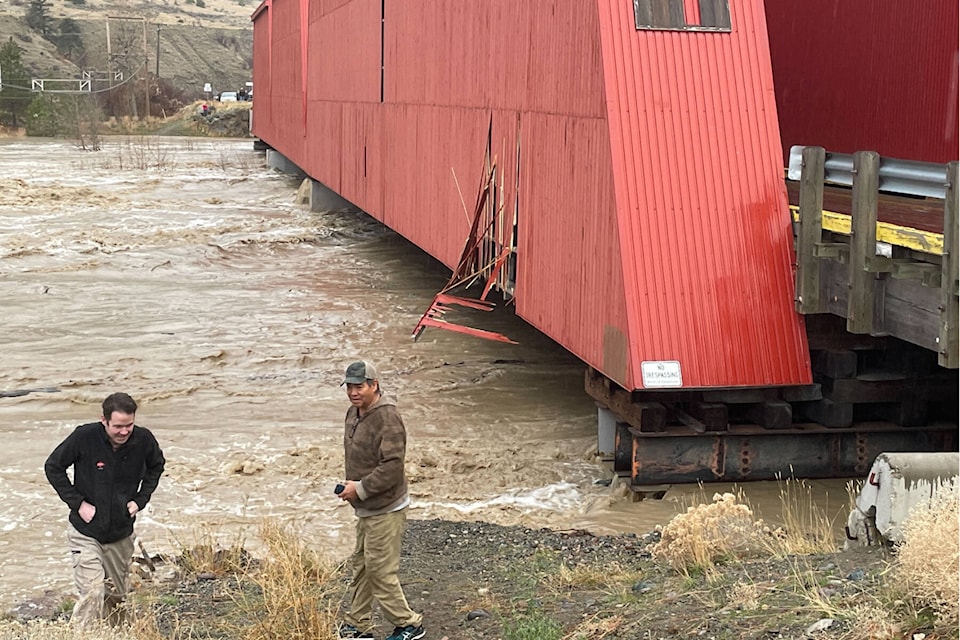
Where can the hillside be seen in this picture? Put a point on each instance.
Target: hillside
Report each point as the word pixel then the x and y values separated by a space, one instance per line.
pixel 212 43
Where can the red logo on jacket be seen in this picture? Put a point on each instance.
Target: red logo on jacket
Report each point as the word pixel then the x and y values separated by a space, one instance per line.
pixel 100 466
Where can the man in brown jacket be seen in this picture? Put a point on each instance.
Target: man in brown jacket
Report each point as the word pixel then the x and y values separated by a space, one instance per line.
pixel 375 443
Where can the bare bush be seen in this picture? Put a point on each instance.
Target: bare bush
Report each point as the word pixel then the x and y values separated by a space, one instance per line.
pixel 722 530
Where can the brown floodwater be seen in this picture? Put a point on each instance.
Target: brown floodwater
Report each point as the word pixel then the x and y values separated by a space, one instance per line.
pixel 183 272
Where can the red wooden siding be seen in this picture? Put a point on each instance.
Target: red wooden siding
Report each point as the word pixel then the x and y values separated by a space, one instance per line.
pixel 652 214
pixel 569 281
pixel 704 226
pixel 348 71
pixel 866 75
pixel 262 71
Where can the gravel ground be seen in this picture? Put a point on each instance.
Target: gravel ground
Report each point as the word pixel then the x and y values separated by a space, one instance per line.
pixel 478 580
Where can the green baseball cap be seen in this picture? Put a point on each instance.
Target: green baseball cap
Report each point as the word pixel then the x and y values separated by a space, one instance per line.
pixel 359 372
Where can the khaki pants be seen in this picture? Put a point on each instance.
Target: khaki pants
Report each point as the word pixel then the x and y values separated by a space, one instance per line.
pixel 376 563
pixel 100 573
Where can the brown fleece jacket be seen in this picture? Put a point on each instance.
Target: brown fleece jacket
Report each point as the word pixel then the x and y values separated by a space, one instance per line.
pixel 374 449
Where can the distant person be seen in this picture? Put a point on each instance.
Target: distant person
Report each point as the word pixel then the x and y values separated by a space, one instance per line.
pixel 205 110
pixel 375 443
pixel 116 468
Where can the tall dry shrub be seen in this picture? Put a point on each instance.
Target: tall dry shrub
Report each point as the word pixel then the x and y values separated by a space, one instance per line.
pixel 708 533
pixel 927 561
pixel 296 584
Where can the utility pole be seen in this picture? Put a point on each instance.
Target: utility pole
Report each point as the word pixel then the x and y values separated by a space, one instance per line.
pixel 146 72
pixel 125 52
pixel 157 74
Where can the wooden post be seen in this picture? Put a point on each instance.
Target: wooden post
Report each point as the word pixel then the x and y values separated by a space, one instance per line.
pixel 146 72
pixel 863 242
pixel 948 339
pixel 811 228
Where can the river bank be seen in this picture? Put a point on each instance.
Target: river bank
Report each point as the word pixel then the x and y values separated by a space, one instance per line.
pixel 477 580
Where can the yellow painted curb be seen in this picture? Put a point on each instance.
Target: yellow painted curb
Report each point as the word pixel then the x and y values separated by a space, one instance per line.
pixel 915 239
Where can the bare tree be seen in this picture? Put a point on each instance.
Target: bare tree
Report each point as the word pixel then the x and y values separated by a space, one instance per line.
pixel 85 118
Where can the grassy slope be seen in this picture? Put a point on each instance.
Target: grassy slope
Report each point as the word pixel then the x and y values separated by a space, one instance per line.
pixel 213 44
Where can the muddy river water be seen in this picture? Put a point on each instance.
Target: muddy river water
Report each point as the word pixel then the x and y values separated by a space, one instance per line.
pixel 183 272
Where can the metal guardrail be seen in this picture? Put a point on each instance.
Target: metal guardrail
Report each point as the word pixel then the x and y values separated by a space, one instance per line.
pixel 908 177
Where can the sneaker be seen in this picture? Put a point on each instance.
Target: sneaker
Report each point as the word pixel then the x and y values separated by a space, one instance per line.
pixel 350 631
pixel 407 633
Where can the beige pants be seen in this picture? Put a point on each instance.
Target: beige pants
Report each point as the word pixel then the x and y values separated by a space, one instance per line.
pixel 376 563
pixel 100 573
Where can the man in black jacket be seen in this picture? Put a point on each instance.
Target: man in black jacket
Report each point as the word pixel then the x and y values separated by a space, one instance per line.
pixel 116 468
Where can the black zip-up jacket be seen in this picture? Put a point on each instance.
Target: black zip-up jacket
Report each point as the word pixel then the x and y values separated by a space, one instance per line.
pixel 105 478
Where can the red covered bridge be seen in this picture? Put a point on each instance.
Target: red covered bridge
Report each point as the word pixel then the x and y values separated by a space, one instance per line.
pixel 632 198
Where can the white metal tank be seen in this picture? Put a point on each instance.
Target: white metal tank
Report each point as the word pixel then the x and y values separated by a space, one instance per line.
pixel 896 484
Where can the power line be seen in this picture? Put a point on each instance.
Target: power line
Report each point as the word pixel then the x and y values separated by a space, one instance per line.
pixel 129 78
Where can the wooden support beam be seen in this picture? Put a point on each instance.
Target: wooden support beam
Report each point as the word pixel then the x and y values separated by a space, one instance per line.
pixel 739 396
pixel 859 390
pixel 805 393
pixel 622 448
pixel 932 279
pixel 686 419
pixel 773 414
pixel 653 416
pixel 646 416
pixel 834 363
pixel 837 250
pixel 830 414
pixel 808 299
pixel 912 270
pixel 861 302
pixel 949 325
pixel 714 415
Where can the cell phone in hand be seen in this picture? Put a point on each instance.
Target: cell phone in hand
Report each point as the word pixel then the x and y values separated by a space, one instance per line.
pixel 339 488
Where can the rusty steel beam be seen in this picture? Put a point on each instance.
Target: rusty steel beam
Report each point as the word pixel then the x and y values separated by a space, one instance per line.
pixel 751 453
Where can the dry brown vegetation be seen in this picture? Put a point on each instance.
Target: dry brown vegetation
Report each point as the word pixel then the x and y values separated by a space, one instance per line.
pixel 927 561
pixel 717 571
pixel 918 589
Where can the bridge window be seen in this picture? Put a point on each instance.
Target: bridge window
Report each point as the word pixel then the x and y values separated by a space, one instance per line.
pixel 682 15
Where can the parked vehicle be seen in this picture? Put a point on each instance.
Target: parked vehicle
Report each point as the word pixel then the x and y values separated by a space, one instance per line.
pixel 228 96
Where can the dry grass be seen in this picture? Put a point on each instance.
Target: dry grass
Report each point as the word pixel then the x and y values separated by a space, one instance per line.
pixel 927 562
pixel 917 596
pixel 143 628
pixel 296 585
pixel 207 553
pixel 806 529
pixel 873 621
pixel 744 596
pixel 611 577
pixel 597 628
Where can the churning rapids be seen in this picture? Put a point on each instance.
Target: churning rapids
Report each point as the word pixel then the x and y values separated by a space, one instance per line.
pixel 183 272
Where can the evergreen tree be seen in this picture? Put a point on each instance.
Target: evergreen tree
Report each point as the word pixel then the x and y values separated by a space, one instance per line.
pixel 15 94
pixel 38 16
pixel 69 42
